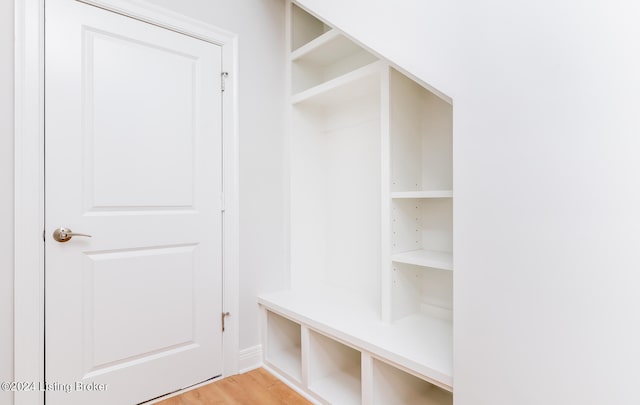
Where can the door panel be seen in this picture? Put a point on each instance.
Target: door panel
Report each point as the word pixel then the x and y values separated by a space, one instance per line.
pixel 164 178
pixel 162 321
pixel 133 157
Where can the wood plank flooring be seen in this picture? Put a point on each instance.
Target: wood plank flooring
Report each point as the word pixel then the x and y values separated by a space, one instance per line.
pixel 255 387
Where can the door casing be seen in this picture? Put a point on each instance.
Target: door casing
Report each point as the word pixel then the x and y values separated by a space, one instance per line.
pixel 29 248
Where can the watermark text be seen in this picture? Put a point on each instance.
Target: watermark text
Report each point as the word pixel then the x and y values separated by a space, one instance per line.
pixel 77 386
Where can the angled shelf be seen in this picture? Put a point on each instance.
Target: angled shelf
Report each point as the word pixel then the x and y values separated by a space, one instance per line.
pixel 425 258
pixel 423 194
pixel 318 50
pixel 348 86
pixel 329 56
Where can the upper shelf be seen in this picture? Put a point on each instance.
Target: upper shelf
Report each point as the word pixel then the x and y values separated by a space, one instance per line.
pixel 326 49
pixel 327 57
pixel 352 84
pixel 423 194
pixel 304 27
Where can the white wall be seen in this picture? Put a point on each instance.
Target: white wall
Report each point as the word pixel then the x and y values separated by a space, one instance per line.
pixel 547 183
pixel 260 27
pixel 6 197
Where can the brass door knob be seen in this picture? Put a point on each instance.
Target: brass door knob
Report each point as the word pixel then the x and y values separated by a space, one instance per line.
pixel 65 234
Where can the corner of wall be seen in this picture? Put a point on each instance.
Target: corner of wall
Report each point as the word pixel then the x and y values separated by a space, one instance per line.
pixel 6 201
pixel 250 359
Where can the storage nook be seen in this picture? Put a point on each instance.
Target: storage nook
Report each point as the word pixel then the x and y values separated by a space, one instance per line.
pixel 368 316
pixel 334 370
pixel 283 349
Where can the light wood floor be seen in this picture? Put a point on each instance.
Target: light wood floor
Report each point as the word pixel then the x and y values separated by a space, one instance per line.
pixel 255 387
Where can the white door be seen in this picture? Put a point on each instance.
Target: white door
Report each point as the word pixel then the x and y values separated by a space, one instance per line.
pixel 133 158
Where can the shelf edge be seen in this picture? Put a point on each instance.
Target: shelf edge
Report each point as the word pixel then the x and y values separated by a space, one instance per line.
pixel 423 194
pixel 413 258
pixel 353 76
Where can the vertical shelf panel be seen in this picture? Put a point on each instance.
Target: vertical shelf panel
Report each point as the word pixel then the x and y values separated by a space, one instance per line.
pixel 335 191
pixel 437 143
pixel 394 386
pixel 406 140
pixel 421 137
pixel 334 370
pixel 284 345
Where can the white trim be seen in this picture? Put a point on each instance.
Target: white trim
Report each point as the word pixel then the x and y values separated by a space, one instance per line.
pixel 231 236
pixel 29 198
pixel 250 359
pixel 286 151
pixel 144 11
pixel 29 179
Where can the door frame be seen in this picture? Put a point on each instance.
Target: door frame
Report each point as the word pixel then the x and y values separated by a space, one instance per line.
pixel 29 288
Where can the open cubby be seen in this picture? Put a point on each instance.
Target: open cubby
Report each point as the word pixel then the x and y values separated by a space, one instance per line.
pixel 334 370
pixel 304 27
pixel 421 137
pixel 422 232
pixel 419 290
pixel 394 386
pixel 283 350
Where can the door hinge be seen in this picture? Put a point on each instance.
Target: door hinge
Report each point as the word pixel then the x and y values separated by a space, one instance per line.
pixel 222 207
pixel 224 76
pixel 44 235
pixel 224 315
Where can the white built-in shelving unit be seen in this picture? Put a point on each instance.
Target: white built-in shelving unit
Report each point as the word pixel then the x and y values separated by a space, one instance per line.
pixel 368 318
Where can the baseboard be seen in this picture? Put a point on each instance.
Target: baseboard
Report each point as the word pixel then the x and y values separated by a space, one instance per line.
pixel 250 359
